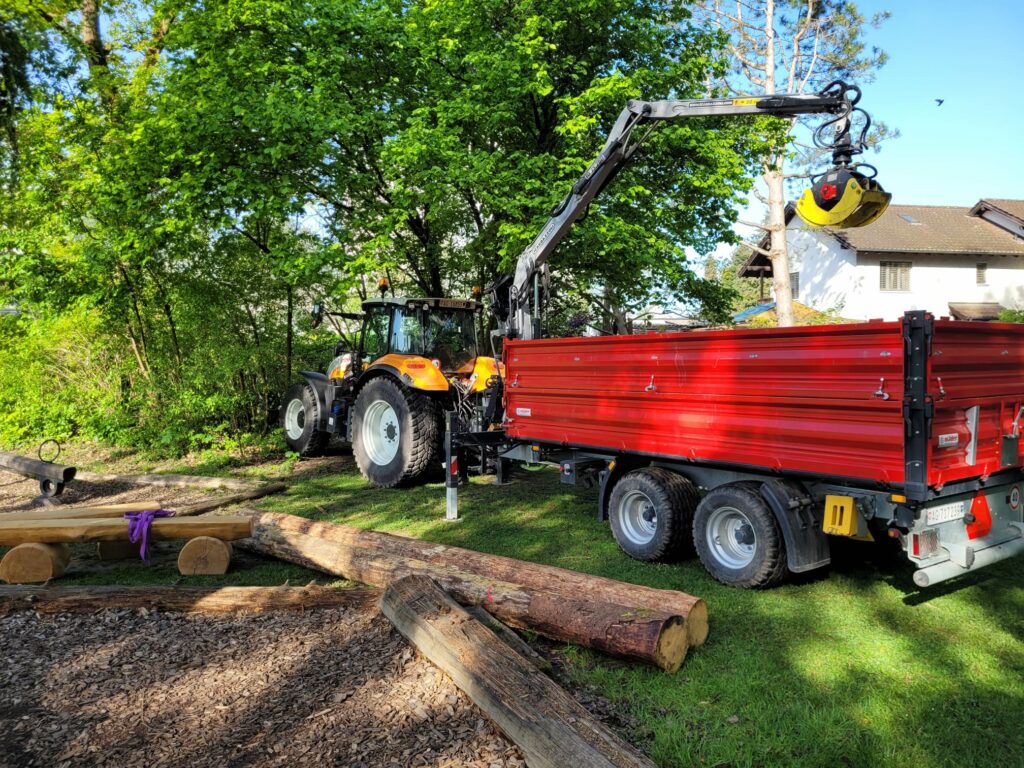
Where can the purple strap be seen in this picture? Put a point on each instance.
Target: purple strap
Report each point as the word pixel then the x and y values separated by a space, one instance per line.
pixel 138 528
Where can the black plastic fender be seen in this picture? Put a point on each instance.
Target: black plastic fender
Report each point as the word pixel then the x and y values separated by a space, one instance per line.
pixel 321 385
pixel 807 546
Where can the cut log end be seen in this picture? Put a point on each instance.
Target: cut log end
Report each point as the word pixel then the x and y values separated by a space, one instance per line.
pixel 697 623
pixel 673 644
pixel 34 563
pixel 204 556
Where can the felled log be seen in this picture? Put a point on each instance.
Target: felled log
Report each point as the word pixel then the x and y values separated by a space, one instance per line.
pixel 40 470
pixel 208 505
pixel 204 556
pixel 171 481
pixel 550 727
pixel 72 513
pixel 34 563
pixel 16 532
pixel 531 575
pixel 184 599
pixel 644 634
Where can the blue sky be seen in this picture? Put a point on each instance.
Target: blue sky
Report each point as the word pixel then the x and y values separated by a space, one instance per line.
pixel 971 55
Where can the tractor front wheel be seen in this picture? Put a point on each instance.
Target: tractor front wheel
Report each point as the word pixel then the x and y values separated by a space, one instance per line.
pixel 395 434
pixel 300 418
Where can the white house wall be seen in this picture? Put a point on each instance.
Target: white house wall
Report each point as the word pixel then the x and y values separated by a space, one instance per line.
pixel 833 277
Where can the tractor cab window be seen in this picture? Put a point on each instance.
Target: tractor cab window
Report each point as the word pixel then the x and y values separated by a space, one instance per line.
pixel 375 334
pixel 407 332
pixel 450 336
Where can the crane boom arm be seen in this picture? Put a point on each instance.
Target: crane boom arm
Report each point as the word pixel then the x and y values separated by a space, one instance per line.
pixel 618 150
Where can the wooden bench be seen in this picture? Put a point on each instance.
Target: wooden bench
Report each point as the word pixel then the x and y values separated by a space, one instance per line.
pixel 40 550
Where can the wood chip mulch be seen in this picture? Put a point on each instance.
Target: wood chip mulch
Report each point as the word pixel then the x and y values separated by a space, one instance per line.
pixel 328 687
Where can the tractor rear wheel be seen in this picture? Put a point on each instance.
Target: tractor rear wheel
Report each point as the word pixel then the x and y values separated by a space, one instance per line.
pixel 395 433
pixel 300 418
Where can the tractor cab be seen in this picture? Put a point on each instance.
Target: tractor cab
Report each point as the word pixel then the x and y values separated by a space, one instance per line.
pixel 440 331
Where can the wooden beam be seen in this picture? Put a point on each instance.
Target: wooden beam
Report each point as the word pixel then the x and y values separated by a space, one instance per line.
pixel 171 481
pixel 14 532
pixel 652 636
pixel 185 599
pixel 530 575
pixel 225 501
pixel 550 727
pixel 72 513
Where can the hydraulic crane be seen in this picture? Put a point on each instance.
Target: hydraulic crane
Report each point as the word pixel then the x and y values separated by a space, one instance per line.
pixel 846 195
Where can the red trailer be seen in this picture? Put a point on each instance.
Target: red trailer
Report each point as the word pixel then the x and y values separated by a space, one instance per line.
pixel 755 445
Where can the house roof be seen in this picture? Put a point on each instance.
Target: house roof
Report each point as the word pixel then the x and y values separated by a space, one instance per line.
pixel 982 310
pixel 931 229
pixel 1012 208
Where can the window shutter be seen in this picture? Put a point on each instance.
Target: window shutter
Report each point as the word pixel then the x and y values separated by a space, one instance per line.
pixel 894 275
pixel 981 274
pixel 794 284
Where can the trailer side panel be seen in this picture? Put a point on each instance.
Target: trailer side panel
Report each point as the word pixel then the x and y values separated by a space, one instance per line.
pixel 825 400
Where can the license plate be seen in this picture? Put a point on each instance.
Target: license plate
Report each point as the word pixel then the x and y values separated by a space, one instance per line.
pixel 945 512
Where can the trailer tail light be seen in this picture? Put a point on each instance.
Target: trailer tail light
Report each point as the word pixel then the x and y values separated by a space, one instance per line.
pixel 924 544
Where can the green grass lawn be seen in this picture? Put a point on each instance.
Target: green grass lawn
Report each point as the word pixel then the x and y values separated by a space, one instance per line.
pixel 853 667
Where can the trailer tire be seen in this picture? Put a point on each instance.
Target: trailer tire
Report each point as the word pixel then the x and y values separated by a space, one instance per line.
pixel 651 514
pixel 738 539
pixel 396 434
pixel 300 420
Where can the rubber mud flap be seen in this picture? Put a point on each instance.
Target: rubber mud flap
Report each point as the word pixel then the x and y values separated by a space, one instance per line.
pixel 807 546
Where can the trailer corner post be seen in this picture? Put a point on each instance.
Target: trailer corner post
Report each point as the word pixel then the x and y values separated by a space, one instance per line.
pixel 451 470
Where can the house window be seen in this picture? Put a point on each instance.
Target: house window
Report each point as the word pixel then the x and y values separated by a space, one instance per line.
pixel 981 274
pixel 794 284
pixel 895 276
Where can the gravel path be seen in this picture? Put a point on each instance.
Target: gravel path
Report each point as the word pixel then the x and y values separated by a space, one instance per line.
pixel 125 688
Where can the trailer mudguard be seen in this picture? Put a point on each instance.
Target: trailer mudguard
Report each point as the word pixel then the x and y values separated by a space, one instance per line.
pixel 321 385
pixel 807 545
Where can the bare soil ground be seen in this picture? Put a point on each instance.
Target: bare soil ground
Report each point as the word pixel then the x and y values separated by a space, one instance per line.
pixel 18 494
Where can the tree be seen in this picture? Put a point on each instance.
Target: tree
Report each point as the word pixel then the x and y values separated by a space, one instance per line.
pixel 797 46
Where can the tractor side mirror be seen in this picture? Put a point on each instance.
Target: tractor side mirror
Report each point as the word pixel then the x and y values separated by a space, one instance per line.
pixel 316 314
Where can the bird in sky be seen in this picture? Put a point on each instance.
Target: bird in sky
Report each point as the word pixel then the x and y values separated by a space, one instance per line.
pixel 938 102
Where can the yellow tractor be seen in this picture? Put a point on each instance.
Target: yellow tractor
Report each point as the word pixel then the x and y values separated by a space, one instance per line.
pixel 415 359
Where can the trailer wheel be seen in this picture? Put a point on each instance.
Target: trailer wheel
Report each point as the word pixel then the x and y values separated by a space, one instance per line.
pixel 300 418
pixel 651 512
pixel 395 434
pixel 738 539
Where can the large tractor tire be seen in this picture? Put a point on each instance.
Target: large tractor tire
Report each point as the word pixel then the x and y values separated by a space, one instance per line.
pixel 300 417
pixel 396 434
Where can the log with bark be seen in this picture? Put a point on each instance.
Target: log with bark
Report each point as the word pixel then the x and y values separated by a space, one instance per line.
pixel 184 599
pixel 550 727
pixel 577 585
pixel 654 636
